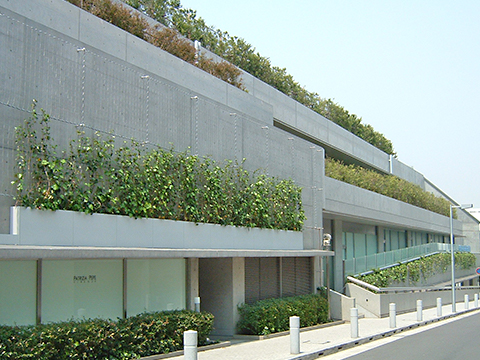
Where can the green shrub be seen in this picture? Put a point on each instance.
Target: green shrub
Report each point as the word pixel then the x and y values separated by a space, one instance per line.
pixel 96 177
pixel 164 38
pixel 388 185
pixel 419 269
pixel 272 315
pixel 142 335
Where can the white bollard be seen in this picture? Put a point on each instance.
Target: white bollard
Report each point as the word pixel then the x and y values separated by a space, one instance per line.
pixel 354 322
pixel 419 310
pixel 439 307
pixel 475 300
pixel 196 301
pixel 190 345
pixel 466 301
pixel 294 335
pixel 393 315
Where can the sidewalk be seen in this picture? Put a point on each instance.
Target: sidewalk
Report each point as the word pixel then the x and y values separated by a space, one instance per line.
pixel 325 341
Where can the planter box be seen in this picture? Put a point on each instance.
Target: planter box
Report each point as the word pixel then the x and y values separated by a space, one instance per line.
pixel 70 228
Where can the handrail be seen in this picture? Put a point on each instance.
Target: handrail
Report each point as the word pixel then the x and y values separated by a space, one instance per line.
pixel 385 259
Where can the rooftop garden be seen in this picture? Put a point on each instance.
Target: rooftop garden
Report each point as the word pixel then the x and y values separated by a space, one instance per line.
pixel 388 185
pixel 181 24
pixel 95 176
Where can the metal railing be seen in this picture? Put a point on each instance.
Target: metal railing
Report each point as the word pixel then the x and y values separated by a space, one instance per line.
pixel 385 259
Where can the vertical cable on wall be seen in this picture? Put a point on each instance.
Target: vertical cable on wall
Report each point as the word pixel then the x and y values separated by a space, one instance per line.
pixel 195 119
pixel 292 152
pixel 235 146
pixel 266 148
pixel 82 111
pixel 147 105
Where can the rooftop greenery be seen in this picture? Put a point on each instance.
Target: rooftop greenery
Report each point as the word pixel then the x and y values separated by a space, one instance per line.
pixel 236 51
pixel 96 176
pixel 388 185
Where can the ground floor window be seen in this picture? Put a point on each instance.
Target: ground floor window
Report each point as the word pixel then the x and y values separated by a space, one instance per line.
pixel 155 285
pixel 18 288
pixel 58 290
pixel 81 289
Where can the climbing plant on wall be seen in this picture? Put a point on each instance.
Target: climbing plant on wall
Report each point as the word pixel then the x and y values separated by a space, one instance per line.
pixel 94 175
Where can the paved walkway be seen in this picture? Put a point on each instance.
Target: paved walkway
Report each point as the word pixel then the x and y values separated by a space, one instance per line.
pixel 320 342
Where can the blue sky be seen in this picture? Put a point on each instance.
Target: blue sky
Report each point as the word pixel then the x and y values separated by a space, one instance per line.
pixel 411 69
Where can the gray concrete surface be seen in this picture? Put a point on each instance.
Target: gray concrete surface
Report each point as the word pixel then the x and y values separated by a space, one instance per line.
pixel 329 340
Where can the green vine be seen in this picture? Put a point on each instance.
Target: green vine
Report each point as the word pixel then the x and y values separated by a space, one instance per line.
pixel 94 176
pixel 419 269
pixel 388 185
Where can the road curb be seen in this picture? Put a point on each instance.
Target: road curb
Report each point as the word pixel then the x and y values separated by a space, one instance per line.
pixel 356 342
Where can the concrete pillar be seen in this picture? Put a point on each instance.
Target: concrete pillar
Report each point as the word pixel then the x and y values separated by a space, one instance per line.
pixel 222 289
pixel 193 290
pixel 294 335
pixel 238 295
pixel 190 345
pixel 338 275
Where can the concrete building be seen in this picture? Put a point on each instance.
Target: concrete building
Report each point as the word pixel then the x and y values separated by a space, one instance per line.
pixel 85 71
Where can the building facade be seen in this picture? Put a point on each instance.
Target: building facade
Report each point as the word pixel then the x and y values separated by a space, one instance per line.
pixel 86 72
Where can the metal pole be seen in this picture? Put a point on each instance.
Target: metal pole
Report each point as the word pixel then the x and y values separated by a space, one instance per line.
pixel 454 308
pixel 475 299
pixel 196 301
pixel 439 307
pixel 294 335
pixel 466 301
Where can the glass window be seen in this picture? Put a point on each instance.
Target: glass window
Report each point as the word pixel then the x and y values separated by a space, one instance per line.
pixel 82 289
pixel 155 285
pixel 18 288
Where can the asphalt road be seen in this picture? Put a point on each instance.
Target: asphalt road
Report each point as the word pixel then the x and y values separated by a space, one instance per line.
pixel 458 339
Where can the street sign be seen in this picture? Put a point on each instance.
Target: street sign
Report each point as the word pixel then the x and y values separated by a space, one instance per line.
pixel 478 271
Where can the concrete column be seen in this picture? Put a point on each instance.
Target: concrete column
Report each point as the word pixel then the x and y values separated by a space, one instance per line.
pixel 294 335
pixel 238 293
pixel 192 282
pixel 338 275
pixel 190 345
pixel 381 239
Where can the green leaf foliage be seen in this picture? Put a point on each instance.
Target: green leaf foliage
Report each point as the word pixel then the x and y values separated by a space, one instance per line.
pixel 388 185
pixel 272 315
pixel 138 336
pixel 94 176
pixel 419 269
pixel 240 53
pixel 164 38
